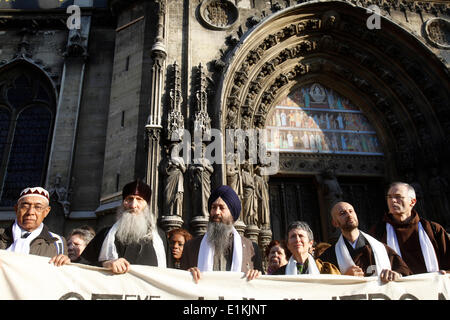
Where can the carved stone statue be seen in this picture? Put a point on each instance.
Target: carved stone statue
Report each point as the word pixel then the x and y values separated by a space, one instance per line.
pixel 438 189
pixel 331 193
pixel 60 194
pixel 234 174
pixel 201 171
pixel 249 208
pixel 173 183
pixel 262 196
pixel 330 187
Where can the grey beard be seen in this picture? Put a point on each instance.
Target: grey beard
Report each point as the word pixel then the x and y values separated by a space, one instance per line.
pixel 133 228
pixel 219 236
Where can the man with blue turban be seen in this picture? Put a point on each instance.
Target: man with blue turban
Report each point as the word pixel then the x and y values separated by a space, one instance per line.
pixel 222 248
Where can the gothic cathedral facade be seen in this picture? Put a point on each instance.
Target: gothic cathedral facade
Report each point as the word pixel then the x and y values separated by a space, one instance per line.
pixel 343 96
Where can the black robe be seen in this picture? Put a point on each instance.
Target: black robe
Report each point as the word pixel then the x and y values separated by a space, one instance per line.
pixel 141 253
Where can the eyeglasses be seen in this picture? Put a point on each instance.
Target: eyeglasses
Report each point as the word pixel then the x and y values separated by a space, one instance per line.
pixel 389 197
pixel 27 206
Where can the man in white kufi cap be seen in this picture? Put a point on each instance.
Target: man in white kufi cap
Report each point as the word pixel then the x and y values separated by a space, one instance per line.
pixel 28 234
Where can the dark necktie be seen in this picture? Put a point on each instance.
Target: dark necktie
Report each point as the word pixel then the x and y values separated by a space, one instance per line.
pixel 25 235
pixel 299 268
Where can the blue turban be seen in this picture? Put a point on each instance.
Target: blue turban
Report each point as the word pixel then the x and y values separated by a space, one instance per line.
pixel 230 197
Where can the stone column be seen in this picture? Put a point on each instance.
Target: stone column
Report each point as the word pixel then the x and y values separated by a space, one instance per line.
pixel 201 169
pixel 265 236
pixel 252 232
pixel 172 219
pixel 66 123
pixel 154 127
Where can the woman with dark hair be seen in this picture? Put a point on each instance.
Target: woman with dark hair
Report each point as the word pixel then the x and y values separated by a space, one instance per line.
pixel 177 239
pixel 277 255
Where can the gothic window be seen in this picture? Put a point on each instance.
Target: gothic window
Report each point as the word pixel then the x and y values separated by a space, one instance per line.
pixel 26 122
pixel 316 119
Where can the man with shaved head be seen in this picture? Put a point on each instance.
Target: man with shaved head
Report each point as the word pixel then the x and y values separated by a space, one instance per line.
pixel 359 254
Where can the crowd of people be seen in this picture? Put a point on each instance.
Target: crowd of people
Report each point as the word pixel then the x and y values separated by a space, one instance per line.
pixel 401 244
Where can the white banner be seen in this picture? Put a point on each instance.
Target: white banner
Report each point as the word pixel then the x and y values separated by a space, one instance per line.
pixel 28 277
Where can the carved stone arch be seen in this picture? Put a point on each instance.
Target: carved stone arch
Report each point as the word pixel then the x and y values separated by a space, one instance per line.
pixel 410 107
pixel 37 67
pixel 31 96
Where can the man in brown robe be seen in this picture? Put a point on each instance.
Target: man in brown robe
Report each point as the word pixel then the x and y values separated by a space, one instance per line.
pixel 360 249
pixel 411 233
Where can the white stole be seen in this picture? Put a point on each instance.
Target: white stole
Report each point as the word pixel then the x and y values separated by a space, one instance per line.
pixel 23 245
pixel 109 250
pixel 345 261
pixel 429 255
pixel 206 254
pixel 291 267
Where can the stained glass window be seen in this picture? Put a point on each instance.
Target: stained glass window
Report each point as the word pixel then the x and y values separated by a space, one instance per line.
pixel 4 128
pixel 28 114
pixel 316 119
pixel 28 152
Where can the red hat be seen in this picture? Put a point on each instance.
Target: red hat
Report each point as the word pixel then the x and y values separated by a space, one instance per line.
pixel 35 191
pixel 137 188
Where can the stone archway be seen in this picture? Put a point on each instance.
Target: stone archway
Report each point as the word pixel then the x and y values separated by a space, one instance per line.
pixel 401 86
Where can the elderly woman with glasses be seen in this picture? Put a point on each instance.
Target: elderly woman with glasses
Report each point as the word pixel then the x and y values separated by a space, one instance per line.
pixel 79 238
pixel 300 241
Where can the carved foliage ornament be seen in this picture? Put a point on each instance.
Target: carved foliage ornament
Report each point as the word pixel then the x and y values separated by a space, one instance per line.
pixel 255 55
pixel 218 14
pixel 437 31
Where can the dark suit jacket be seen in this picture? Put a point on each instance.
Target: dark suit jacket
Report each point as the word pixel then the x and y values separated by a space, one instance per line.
pixel 250 251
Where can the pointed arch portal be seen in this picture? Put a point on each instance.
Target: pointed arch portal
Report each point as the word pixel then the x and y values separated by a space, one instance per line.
pixel 398 86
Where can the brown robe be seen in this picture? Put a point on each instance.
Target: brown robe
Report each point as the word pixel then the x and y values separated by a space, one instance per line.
pixel 408 240
pixel 364 258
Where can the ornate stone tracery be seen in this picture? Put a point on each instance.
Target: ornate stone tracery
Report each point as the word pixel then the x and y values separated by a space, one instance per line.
pixel 269 69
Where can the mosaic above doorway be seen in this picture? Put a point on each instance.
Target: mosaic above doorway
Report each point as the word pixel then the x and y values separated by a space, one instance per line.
pixel 316 119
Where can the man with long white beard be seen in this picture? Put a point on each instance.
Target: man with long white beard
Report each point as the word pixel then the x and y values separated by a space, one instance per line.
pixel 133 239
pixel 222 248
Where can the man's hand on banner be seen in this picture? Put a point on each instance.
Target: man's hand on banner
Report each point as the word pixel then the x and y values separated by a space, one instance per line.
pixel 59 260
pixel 117 266
pixel 252 274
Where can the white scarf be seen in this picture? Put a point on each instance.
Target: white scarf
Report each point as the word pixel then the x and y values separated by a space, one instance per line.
pixel 345 261
pixel 429 255
pixel 206 254
pixel 291 267
pixel 109 250
pixel 23 245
